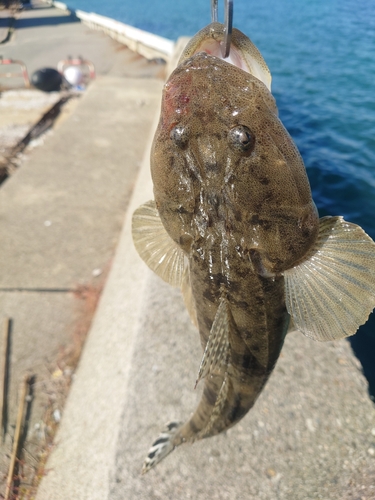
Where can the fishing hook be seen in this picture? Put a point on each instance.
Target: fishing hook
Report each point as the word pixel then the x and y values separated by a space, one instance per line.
pixel 228 23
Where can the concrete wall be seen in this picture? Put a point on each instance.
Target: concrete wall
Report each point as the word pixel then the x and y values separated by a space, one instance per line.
pixel 146 44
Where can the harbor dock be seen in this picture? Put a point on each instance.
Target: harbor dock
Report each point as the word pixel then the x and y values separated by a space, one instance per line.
pixel 74 287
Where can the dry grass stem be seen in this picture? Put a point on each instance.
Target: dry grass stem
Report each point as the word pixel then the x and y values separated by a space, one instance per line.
pixel 25 386
pixel 4 371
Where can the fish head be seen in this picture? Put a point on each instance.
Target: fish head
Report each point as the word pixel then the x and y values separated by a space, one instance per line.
pixel 223 165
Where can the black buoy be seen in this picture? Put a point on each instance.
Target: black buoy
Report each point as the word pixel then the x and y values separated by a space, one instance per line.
pixel 47 79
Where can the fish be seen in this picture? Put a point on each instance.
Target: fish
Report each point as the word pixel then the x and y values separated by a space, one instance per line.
pixel 234 225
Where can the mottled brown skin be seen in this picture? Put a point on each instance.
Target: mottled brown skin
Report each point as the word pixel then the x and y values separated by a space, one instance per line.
pixel 241 218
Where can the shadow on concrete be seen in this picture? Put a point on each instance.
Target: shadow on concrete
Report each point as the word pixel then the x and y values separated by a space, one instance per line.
pixel 5 5
pixel 363 345
pixel 45 21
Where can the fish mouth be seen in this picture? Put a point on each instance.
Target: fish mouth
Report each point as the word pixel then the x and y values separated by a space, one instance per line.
pixel 243 53
pixel 214 48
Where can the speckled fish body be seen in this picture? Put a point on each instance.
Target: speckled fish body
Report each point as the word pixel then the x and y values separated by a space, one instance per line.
pixel 232 215
pixel 234 224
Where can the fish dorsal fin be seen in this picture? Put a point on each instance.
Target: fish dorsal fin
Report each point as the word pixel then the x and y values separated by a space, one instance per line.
pixel 217 348
pixel 188 297
pixel 155 246
pixel 332 292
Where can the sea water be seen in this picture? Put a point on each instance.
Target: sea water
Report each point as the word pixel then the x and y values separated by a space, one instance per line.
pixel 321 55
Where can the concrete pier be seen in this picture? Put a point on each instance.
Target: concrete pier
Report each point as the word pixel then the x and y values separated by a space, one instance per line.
pixel 64 224
pixel 62 210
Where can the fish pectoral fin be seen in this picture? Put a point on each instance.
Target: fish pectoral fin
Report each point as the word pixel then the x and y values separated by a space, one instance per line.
pixel 155 246
pixel 217 349
pixel 332 292
pixel 291 327
pixel 188 297
pixel 162 446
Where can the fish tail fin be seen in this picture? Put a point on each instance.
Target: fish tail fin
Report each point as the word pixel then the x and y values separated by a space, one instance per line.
pixel 162 446
pixel 332 292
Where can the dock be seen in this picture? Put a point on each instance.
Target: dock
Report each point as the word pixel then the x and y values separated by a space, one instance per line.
pixel 73 287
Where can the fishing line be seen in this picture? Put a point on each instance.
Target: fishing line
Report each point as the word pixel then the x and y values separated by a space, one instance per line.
pixel 228 23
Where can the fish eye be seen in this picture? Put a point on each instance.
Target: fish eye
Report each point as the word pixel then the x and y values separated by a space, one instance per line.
pixel 179 135
pixel 241 138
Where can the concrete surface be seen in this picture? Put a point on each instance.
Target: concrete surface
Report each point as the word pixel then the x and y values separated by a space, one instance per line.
pixel 20 110
pixel 45 35
pixel 4 24
pixel 147 44
pixel 63 206
pixel 310 436
pixel 62 211
pixel 43 324
pixel 110 344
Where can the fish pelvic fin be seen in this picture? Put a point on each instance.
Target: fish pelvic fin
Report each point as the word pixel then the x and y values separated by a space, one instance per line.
pixel 218 408
pixel 331 293
pixel 188 297
pixel 162 446
pixel 216 353
pixel 154 245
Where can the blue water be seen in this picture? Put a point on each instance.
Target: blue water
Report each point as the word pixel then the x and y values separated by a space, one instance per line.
pixel 322 57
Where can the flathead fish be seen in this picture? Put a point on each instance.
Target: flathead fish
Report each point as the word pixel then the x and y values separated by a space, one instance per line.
pixel 234 225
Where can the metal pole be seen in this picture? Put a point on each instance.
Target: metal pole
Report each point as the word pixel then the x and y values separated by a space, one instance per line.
pixel 228 23
pixel 214 9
